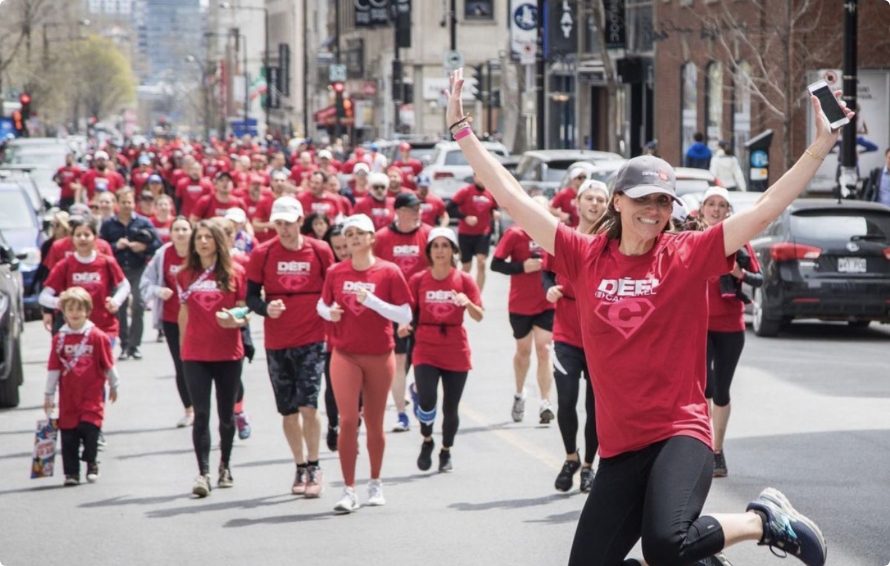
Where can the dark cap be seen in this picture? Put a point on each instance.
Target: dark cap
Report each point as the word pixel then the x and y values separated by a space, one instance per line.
pixel 645 175
pixel 406 199
pixel 223 174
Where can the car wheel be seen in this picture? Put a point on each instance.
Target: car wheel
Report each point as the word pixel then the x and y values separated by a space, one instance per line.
pixel 762 324
pixel 9 387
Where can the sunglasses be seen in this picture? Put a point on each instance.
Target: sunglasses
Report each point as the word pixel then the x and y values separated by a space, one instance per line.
pixel 94 207
pixel 378 186
pixel 582 177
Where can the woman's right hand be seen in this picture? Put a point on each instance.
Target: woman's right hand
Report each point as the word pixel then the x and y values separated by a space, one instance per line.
pixel 165 293
pixel 336 313
pixel 48 321
pixel 454 109
pixel 554 293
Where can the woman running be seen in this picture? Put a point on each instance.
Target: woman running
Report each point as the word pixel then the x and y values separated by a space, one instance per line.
pixel 363 296
pixel 158 285
pixel 337 241
pixel 726 323
pixel 441 349
pixel 211 348
pixel 570 372
pixel 639 292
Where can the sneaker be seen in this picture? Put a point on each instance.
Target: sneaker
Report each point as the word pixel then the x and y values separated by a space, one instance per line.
pixel 72 480
pixel 375 493
pixel 300 479
pixel 720 470
pixel 445 461
pixel 92 472
pixel 425 460
pixel 718 559
pixel 787 530
pixel 566 476
pixel 187 420
pixel 160 337
pixel 348 503
pixel 225 478
pixel 135 354
pixel 101 443
pixel 201 487
pixel 242 421
pixel 587 475
pixel 315 482
pixel 403 425
pixel 333 437
pixel 518 408
pixel 124 355
pixel 545 412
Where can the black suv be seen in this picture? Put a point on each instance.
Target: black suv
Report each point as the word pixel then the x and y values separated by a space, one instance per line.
pixel 11 326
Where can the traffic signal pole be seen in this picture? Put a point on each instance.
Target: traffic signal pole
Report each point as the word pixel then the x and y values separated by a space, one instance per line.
pixel 849 176
pixel 539 80
pixel 338 94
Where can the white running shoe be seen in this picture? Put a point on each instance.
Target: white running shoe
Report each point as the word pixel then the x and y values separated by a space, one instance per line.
pixel 518 408
pixel 186 420
pixel 375 493
pixel 546 412
pixel 348 503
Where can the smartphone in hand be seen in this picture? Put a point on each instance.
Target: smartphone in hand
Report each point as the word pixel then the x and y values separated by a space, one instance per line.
pixel 830 106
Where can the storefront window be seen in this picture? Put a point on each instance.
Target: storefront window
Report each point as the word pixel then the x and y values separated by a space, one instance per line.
pixel 714 102
pixel 741 107
pixel 478 9
pixel 688 104
pixel 639 26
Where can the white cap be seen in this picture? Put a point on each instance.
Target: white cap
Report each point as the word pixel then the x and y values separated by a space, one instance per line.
pixel 325 154
pixel 288 209
pixel 573 174
pixel 679 212
pixel 359 167
pixel 442 232
pixel 100 155
pixel 360 222
pixel 378 179
pixel 716 192
pixel 237 215
pixel 278 174
pixel 593 184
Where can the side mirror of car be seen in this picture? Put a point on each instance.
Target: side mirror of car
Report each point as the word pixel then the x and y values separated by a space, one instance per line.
pixel 9 257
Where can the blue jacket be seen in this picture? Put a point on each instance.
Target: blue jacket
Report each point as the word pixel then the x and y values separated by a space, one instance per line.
pixel 698 155
pixel 113 230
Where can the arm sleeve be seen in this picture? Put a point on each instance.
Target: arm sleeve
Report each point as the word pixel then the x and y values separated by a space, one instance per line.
pixel 52 381
pixel 506 267
pixel 324 310
pixel 48 298
pixel 548 279
pixel 121 292
pixel 453 210
pixel 113 378
pixel 151 282
pixel 400 314
pixel 751 278
pixel 255 300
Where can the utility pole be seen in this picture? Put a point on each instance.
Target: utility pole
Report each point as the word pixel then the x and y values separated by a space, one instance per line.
pixel 541 70
pixel 488 106
pixel 849 176
pixel 452 18
pixel 396 78
pixel 338 115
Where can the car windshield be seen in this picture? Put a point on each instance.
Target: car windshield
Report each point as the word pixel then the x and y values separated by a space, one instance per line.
pixel 556 170
pixel 841 225
pixel 456 157
pixel 15 211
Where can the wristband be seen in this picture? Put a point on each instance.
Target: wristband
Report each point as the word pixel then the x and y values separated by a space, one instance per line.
pixel 466 118
pixel 813 155
pixel 463 133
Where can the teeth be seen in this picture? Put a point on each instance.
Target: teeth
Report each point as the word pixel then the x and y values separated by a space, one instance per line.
pixel 648 221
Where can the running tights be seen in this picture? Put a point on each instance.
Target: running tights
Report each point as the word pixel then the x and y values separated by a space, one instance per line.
pixel 368 377
pixel 656 494
pixel 426 378
pixel 171 332
pixel 724 351
pixel 201 376
pixel 330 403
pixel 570 374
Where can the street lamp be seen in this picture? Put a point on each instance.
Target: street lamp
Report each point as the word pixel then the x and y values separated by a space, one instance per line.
pixel 265 11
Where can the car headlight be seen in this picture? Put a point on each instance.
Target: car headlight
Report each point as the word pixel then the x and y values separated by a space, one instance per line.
pixel 32 258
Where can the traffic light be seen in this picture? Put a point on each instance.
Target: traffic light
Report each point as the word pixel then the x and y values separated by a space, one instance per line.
pixel 348 109
pixel 476 81
pixel 25 101
pixel 18 122
pixel 338 87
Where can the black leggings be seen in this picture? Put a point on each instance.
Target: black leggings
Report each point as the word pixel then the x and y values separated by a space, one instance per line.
pixel 330 403
pixel 171 331
pixel 426 379
pixel 569 373
pixel 88 433
pixel 200 377
pixel 724 351
pixel 656 494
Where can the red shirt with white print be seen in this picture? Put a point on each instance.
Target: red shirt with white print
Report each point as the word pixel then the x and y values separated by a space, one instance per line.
pixel 360 329
pixel 327 203
pixel 82 387
pixel 645 332
pixel 107 181
pixel 99 278
pixel 565 202
pixel 173 264
pixel 440 339
pixel 407 250
pixel 432 208
pixel 64 247
pixel 191 191
pixel 162 227
pixel 381 212
pixel 68 175
pixel 566 322
pixel 210 206
pixel 472 201
pixel 527 296
pixel 205 340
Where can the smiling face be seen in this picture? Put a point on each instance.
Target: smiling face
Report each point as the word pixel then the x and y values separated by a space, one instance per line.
pixel 645 217
pixel 592 204
pixel 714 210
pixel 75 314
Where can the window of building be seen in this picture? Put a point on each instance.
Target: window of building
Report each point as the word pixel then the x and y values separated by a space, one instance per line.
pixel 713 101
pixel 741 106
pixel 479 10
pixel 688 104
pixel 640 16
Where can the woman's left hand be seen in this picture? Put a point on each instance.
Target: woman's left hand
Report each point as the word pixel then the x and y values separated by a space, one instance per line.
pixel 823 128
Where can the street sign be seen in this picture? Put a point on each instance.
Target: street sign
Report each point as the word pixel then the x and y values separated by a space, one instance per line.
pixel 337 73
pixel 523 25
pixel 453 60
pixel 325 58
pixel 528 54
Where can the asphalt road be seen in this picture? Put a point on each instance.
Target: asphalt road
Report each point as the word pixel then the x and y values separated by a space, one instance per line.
pixel 811 417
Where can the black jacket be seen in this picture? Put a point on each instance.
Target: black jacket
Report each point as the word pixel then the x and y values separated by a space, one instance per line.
pixel 141 230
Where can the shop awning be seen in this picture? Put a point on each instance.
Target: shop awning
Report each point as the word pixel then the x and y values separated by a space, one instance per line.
pixel 327 116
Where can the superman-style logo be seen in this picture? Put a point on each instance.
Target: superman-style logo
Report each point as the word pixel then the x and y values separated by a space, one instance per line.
pixel 350 301
pixel 440 310
pixel 208 301
pixel 627 315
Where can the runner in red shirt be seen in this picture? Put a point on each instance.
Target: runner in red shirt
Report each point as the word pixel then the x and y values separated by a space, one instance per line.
pixel 299 173
pixel 396 182
pixel 63 247
pixel 316 199
pixel 155 185
pixel 212 348
pixel 190 189
pixel 284 282
pixel 475 208
pixel 263 229
pixel 432 208
pixel 378 206
pixel 409 166
pixel 362 296
pixel 325 162
pixel 212 205
pixel 140 176
pixel 441 349
pixel 402 243
pixel 67 177
pixel 256 193
pixel 359 184
pixel 332 187
pixel 163 218
pixel 564 204
pixel 101 178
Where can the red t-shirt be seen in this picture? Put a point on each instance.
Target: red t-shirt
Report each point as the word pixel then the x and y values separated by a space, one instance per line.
pixel 66 176
pixel 205 340
pixel 326 203
pixel 64 247
pixel 566 322
pixel 644 328
pixel 191 191
pixel 381 212
pixel 139 178
pixel 210 206
pixel 296 277
pixel 440 339
pixel 94 182
pixel 564 201
pixel 254 205
pixel 82 389
pixel 527 296
pixel 300 174
pixel 173 264
pixel 263 213
pixel 405 250
pixel 409 169
pixel 727 313
pixel 162 228
pixel 361 330
pixel 99 278
pixel 432 208
pixel 472 201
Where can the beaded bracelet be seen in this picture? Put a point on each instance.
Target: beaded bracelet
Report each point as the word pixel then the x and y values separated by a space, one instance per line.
pixel 813 155
pixel 463 133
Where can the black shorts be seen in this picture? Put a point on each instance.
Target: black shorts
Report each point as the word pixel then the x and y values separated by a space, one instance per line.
pixel 295 374
pixel 522 323
pixel 471 246
pixel 403 345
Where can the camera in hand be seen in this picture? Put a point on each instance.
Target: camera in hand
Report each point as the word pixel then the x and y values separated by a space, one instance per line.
pixel 730 287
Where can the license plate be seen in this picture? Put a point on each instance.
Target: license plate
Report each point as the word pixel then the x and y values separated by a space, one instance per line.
pixel 851 265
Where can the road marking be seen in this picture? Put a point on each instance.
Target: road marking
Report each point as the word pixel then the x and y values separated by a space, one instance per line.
pixel 513 439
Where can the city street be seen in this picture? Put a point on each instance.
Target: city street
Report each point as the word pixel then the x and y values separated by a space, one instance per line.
pixel 811 416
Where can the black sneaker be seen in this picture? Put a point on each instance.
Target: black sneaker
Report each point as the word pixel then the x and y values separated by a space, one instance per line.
pixel 565 479
pixel 225 478
pixel 72 480
pixel 587 474
pixel 425 460
pixel 92 472
pixel 333 436
pixel 135 354
pixel 445 461
pixel 124 355
pixel 787 530
pixel 720 470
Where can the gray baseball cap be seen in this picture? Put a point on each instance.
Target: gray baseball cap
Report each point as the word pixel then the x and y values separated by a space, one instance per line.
pixel 646 175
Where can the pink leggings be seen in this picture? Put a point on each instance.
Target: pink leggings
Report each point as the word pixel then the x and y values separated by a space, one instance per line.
pixel 368 376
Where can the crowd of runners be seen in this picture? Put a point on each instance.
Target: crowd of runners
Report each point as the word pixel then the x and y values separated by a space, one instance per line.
pixel 363 290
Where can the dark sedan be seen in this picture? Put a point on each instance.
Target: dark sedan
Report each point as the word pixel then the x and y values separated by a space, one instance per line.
pixel 824 260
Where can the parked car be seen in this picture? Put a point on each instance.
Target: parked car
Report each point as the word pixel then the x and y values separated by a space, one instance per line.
pixel 24 231
pixel 825 260
pixel 448 167
pixel 421 149
pixel 543 171
pixel 45 191
pixel 11 326
pixel 599 170
pixel 24 177
pixel 51 151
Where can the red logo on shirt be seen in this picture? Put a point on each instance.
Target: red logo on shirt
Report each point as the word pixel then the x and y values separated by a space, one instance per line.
pixel 440 303
pixel 627 315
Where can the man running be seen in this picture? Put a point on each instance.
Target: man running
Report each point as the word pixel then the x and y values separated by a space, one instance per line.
pixel 475 207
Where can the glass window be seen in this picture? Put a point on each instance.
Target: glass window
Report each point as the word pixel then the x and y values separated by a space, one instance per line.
pixel 688 104
pixel 639 26
pixel 741 112
pixel 478 9
pixel 714 102
pixel 841 226
pixel 15 211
